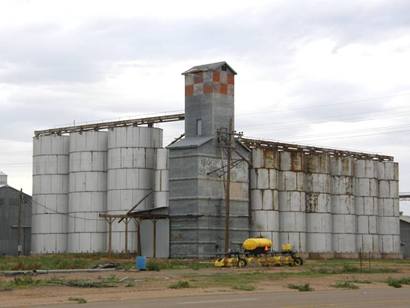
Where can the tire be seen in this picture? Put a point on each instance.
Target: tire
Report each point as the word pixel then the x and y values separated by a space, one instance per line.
pixel 242 263
pixel 298 261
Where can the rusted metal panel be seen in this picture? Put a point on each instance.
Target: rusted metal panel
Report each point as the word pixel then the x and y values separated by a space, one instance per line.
pixel 271 158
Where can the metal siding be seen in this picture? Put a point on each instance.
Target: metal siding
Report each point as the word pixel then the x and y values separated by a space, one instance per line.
pixel 8 218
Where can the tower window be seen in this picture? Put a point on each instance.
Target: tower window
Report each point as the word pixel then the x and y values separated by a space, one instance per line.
pixel 199 127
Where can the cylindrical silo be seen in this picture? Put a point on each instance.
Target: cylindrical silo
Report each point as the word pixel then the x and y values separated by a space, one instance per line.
pixel 343 207
pixel 292 200
pixel 318 205
pixel 50 194
pixel 87 193
pixel 131 163
pixel 264 195
pixel 161 187
pixel 366 205
pixel 388 225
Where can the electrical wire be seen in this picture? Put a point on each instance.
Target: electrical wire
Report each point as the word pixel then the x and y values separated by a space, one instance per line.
pixel 322 105
pixel 61 213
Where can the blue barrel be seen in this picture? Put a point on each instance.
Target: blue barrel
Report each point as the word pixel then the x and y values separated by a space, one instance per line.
pixel 140 263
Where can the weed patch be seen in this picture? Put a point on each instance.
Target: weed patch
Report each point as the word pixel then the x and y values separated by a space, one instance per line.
pixel 394 283
pixel 182 284
pixel 397 283
pixel 301 287
pixel 352 269
pixel 345 285
pixel 84 283
pixel 79 300
pixel 360 281
pixel 153 266
pixel 244 287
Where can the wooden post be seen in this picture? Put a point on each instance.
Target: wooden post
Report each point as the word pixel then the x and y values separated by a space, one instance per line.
pixel 126 221
pixel 154 223
pixel 361 260
pixel 110 220
pixel 137 224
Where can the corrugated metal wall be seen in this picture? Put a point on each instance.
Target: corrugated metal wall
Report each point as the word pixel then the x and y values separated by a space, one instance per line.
pixel 405 238
pixel 8 222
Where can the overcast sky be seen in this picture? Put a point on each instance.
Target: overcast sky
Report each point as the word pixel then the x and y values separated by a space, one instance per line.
pixel 327 73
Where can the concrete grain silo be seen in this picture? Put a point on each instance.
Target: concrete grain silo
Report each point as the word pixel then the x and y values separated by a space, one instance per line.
pixel 131 163
pixel 366 204
pixel 88 192
pixel 318 204
pixel 50 194
pixel 388 212
pixel 343 207
pixel 292 200
pixel 264 193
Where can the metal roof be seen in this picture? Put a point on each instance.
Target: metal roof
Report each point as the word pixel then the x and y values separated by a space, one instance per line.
pixel 105 125
pixel 280 146
pixel 405 219
pixel 190 142
pixel 208 67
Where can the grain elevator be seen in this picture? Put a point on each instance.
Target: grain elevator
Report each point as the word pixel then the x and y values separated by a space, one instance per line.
pixel 88 180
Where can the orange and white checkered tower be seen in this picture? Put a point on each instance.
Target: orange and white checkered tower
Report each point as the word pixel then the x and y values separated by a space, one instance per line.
pixel 209 98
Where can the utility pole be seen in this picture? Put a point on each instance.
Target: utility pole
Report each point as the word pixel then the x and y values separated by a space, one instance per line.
pixel 226 139
pixel 228 186
pixel 19 246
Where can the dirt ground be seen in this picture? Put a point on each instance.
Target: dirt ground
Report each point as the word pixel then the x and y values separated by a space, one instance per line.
pixel 150 284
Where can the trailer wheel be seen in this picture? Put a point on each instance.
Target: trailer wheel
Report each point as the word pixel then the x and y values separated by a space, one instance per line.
pixel 242 263
pixel 298 261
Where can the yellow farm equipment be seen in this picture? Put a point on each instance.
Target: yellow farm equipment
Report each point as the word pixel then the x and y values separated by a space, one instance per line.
pixel 258 252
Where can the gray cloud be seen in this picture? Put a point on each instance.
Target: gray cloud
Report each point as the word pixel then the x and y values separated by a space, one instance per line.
pixel 54 72
pixel 50 53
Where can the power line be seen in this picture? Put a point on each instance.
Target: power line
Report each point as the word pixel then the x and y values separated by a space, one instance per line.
pixel 60 213
pixel 353 136
pixel 323 105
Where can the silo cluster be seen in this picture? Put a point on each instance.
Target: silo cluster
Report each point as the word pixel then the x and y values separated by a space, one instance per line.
pixel 328 205
pixel 77 177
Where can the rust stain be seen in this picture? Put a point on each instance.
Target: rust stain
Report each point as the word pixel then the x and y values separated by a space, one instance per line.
pixel 297 161
pixel 271 158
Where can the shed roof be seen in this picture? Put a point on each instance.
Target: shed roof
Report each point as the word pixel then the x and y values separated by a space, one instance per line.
pixel 208 67
pixel 405 219
pixel 14 189
pixel 190 142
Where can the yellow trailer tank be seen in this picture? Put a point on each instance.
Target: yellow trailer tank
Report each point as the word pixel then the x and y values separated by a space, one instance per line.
pixel 256 244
